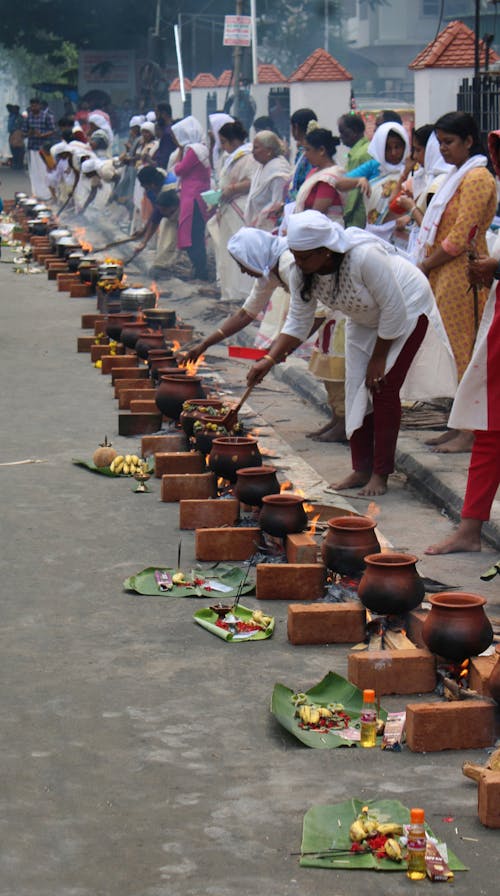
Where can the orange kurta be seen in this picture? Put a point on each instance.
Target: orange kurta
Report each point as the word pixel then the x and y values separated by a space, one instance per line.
pixel 474 202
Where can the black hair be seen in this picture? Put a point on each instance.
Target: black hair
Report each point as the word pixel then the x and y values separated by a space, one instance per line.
pixel 307 279
pixel 67 121
pixel 322 137
pixel 392 133
pixel 36 99
pixel 389 115
pixel 233 130
pixel 423 133
pixel 463 125
pixel 265 123
pixel 150 176
pixel 165 107
pixel 353 122
pixel 167 199
pixel 302 117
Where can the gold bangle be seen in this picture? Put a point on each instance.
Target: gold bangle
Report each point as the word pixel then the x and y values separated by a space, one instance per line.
pixel 221 331
pixel 269 358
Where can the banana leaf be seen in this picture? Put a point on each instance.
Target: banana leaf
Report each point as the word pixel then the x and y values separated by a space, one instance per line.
pixel 331 689
pixel 326 828
pixel 144 582
pixel 491 572
pixel 105 471
pixel 207 619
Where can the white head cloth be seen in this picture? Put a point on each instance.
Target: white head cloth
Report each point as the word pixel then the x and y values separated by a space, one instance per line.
pixel 149 127
pixel 100 135
pixel 434 165
pixel 136 121
pixel 89 166
pixel 189 133
pixel 101 121
pixel 216 120
pixel 257 250
pixel 313 230
pixel 151 116
pixel 59 148
pixel 377 144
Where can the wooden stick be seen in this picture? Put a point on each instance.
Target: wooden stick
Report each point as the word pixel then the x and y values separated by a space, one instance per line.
pixel 464 693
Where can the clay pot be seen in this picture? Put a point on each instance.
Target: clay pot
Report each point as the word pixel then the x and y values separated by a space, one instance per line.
pixel 254 483
pixel 348 541
pixel 131 333
pixel 135 298
pixel 229 453
pixel 494 679
pixel 457 627
pixel 115 324
pixel 173 391
pixel 282 514
pixel 73 260
pixel 147 341
pixel 87 270
pixel 204 439
pixel 391 584
pixel 160 318
pixel 187 418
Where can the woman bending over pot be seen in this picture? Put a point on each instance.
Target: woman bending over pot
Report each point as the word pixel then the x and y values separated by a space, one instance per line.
pixel 388 304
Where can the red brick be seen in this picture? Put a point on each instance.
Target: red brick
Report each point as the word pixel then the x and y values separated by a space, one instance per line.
pixel 179 462
pixel 84 343
pixel 129 373
pixel 110 362
pixel 97 351
pixel 81 291
pixel 138 424
pixel 88 321
pixel 182 334
pixel 414 622
pixel 488 799
pixel 174 441
pixel 480 669
pixel 144 405
pixel 290 581
pixel 175 486
pixel 301 548
pixel 457 725
pixel 208 513
pixel 53 262
pixel 326 623
pixel 226 543
pixel 53 271
pixel 393 671
pixel 125 396
pixel 65 281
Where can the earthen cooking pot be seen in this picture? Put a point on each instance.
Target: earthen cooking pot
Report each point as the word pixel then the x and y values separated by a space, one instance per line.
pixel 159 318
pixel 282 515
pixel 254 483
pixel 391 584
pixel 173 391
pixel 229 453
pixel 456 626
pixel 147 341
pixel 131 332
pixel 348 541
pixel 115 323
pixel 188 417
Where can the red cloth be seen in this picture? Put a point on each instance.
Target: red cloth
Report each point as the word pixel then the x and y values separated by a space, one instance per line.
pixel 322 190
pixel 195 179
pixel 484 475
pixel 373 445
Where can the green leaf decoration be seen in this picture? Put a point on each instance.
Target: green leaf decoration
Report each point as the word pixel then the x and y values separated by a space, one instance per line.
pixel 207 619
pixel 326 828
pixel 144 583
pixel 491 572
pixel 105 471
pixel 331 689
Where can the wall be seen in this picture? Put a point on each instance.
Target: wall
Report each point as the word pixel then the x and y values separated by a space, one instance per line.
pixel 13 89
pixel 436 92
pixel 329 100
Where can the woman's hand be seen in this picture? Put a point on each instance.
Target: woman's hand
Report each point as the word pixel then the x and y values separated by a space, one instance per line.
pixel 402 222
pixel 481 270
pixel 194 353
pixel 259 370
pixel 364 186
pixel 406 202
pixel 375 374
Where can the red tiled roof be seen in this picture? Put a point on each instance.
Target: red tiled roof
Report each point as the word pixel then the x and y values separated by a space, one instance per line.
pixel 270 74
pixel 320 66
pixel 176 84
pixel 453 48
pixel 204 79
pixel 225 79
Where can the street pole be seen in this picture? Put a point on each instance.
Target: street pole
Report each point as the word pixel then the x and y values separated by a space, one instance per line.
pixel 476 92
pixel 255 62
pixel 237 68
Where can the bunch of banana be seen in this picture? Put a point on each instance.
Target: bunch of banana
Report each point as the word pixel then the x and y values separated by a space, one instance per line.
pixel 126 465
pixel 393 850
pixel 308 715
pixel 364 826
pixel 179 578
pixel 259 618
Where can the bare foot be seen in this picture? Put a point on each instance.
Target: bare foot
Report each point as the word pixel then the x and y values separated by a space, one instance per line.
pixel 444 437
pixel 319 432
pixel 352 481
pixel 466 538
pixel 336 433
pixel 462 442
pixel 376 485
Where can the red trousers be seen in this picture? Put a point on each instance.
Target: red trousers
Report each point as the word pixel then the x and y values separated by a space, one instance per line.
pixel 373 445
pixel 484 475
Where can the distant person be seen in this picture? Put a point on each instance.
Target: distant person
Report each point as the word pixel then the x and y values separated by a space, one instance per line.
pixel 164 132
pixel 16 136
pixel 386 115
pixel 264 123
pixel 301 166
pixel 192 168
pixel 352 133
pixel 39 126
pixel 269 182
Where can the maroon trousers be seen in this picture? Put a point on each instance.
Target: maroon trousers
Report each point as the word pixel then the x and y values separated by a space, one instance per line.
pixel 484 475
pixel 373 445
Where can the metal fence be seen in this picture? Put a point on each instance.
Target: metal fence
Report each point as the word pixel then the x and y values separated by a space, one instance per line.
pixel 481 98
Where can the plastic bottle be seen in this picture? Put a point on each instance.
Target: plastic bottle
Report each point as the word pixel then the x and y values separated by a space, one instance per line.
pixel 369 720
pixel 416 845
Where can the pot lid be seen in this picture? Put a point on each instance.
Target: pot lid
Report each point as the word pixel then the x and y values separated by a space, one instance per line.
pixel 137 292
pixel 68 241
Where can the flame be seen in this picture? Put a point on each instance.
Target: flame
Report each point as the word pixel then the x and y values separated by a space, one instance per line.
pixel 313 524
pixel 308 507
pixel 265 452
pixel 80 235
pixel 176 345
pixel 373 510
pixel 285 486
pixel 192 366
pixel 154 288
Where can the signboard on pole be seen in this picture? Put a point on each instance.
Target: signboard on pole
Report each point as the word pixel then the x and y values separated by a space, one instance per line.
pixel 237 31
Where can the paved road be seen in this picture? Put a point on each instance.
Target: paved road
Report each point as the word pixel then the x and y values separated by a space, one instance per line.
pixel 139 757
